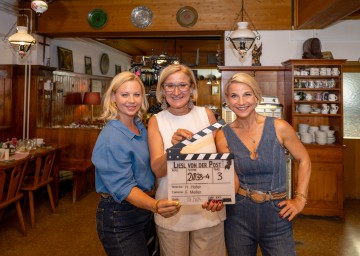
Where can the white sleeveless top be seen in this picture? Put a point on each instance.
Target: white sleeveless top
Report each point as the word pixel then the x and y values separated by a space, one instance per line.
pixel 190 217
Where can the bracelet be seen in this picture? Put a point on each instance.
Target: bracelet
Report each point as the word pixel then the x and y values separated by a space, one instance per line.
pixel 300 195
pixel 155 206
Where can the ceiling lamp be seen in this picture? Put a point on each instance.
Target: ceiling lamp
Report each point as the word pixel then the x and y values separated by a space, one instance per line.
pixel 243 38
pixel 39 6
pixel 21 41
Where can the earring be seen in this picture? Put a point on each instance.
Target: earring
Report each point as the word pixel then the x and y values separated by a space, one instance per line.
pixel 190 103
pixel 114 104
pixel 164 104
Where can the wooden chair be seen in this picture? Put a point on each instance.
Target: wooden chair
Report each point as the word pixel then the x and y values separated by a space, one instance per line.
pixel 11 177
pixel 43 176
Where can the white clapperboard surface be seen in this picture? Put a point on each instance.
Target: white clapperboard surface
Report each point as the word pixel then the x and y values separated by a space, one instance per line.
pixel 197 178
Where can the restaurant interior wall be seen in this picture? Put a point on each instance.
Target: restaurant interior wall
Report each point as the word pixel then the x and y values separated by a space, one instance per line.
pixel 341 39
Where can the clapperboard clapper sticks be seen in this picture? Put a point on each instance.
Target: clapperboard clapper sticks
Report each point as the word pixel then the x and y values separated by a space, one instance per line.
pixel 200 177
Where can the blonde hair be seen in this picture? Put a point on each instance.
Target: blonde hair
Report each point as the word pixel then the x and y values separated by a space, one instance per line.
pixel 110 109
pixel 245 79
pixel 169 70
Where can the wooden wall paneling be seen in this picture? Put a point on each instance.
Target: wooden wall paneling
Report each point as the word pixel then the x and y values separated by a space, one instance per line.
pixel 81 140
pixel 270 79
pixel 352 168
pixel 213 17
pixel 205 96
pixel 6 102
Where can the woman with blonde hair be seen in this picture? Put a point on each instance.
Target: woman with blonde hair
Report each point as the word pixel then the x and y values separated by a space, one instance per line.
pixel 262 214
pixel 123 176
pixel 193 231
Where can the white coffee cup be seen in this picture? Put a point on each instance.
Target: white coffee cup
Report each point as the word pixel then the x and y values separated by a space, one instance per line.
pixel 334 107
pixel 335 71
pixel 39 141
pixel 332 97
pixel 308 97
pixel 304 72
pixel 297 97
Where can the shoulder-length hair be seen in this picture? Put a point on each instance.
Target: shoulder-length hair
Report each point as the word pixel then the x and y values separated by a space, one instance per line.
pixel 110 109
pixel 171 69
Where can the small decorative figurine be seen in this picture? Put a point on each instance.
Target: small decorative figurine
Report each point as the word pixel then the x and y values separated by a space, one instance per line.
pixel 256 53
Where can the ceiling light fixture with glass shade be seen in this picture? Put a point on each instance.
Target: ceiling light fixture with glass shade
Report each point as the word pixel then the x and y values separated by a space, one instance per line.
pixel 22 41
pixel 39 6
pixel 243 38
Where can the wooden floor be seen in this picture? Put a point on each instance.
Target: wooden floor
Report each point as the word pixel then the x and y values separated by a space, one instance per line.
pixel 72 231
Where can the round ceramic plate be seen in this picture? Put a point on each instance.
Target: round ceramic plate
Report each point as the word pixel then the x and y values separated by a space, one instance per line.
pixel 187 16
pixel 97 18
pixel 141 16
pixel 104 63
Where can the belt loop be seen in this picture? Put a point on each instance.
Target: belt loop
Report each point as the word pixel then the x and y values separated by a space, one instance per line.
pixel 248 194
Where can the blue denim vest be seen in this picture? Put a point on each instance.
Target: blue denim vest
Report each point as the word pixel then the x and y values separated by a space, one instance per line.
pixel 267 173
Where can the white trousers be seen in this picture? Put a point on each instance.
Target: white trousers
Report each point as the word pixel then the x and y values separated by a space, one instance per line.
pixel 206 241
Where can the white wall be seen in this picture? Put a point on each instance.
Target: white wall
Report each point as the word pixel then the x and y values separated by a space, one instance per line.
pixel 90 48
pixel 342 39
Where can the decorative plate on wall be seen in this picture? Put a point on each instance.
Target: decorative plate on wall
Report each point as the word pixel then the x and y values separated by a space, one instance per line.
pixel 141 16
pixel 97 18
pixel 104 63
pixel 187 16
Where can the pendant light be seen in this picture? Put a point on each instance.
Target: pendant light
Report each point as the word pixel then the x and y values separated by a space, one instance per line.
pixel 242 38
pixel 21 41
pixel 39 6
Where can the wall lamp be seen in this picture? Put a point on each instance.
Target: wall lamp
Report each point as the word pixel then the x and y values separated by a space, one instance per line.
pixel 242 38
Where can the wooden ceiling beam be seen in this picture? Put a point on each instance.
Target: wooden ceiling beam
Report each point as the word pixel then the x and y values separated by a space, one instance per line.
pixel 321 14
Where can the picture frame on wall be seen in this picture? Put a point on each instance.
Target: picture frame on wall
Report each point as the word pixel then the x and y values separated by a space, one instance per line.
pixel 214 89
pixel 65 59
pixel 88 66
pixel 117 69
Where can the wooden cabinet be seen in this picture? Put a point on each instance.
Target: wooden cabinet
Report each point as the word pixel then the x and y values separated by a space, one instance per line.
pixel 313 80
pixel 29 85
pixel 6 102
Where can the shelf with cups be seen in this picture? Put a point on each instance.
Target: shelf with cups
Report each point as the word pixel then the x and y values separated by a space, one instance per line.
pixel 314 107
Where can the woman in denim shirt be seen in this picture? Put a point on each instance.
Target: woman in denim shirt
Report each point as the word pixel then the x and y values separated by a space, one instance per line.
pixel 122 171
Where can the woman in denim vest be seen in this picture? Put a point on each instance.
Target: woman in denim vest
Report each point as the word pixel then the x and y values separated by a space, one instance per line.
pixel 262 214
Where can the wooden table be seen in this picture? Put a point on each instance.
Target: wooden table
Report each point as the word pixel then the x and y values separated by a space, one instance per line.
pixel 5 164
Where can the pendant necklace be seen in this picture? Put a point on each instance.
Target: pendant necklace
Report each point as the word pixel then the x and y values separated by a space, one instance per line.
pixel 253 153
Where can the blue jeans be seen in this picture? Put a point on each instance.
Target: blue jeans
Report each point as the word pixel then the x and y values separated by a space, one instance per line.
pixel 249 224
pixel 123 229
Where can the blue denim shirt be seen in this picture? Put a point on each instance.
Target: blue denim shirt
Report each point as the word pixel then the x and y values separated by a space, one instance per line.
pixel 122 160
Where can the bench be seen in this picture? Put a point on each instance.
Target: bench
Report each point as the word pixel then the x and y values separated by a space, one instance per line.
pixel 83 175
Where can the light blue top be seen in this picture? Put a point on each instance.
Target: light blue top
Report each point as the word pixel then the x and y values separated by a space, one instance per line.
pixel 122 160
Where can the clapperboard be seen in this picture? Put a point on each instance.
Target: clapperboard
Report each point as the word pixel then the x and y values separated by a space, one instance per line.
pixel 200 177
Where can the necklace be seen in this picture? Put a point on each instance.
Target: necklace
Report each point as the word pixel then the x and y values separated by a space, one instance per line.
pixel 253 152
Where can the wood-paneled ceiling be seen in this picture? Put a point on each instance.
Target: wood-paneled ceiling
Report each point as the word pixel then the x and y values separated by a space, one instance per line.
pixel 68 18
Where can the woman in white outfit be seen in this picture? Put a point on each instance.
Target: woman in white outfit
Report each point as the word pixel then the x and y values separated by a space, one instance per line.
pixel 193 231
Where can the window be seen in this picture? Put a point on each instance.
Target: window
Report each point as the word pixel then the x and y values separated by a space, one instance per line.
pixel 351 88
